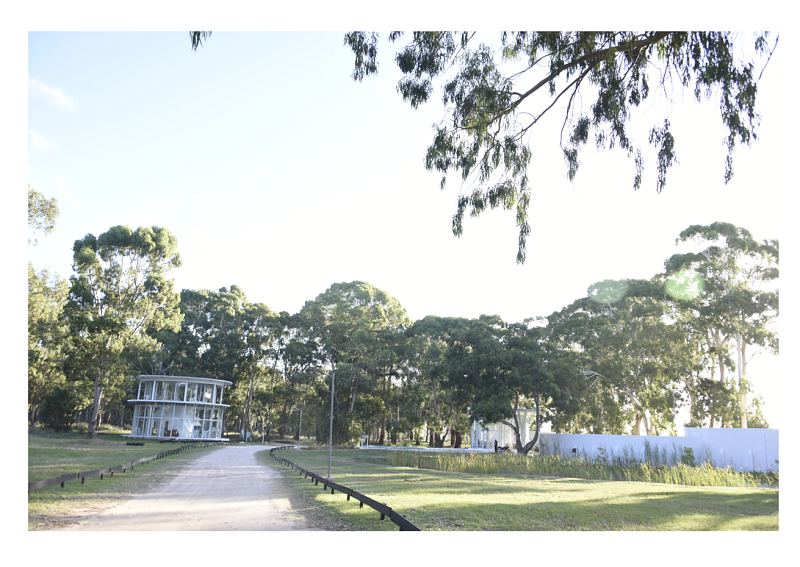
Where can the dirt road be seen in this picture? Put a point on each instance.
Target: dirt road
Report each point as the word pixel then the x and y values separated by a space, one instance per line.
pixel 223 490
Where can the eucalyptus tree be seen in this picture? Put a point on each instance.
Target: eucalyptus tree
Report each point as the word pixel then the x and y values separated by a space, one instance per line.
pixel 632 355
pixel 48 337
pixel 261 330
pixel 118 292
pixel 740 302
pixel 42 212
pixel 494 99
pixel 441 408
pixel 496 369
pixel 357 329
pixel 47 293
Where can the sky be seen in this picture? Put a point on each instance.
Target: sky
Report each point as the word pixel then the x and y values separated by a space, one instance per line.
pixel 282 175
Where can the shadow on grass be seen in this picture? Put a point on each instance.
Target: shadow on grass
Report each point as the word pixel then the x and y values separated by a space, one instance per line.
pixel 437 500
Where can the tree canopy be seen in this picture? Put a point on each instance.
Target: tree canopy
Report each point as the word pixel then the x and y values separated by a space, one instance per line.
pixel 42 212
pixel 118 293
pixel 492 103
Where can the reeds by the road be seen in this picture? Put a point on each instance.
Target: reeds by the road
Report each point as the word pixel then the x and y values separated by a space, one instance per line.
pixel 618 468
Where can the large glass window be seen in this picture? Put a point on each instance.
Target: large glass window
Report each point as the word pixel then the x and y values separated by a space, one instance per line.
pixel 159 390
pixel 148 390
pixel 208 391
pixel 180 391
pixel 169 392
pixel 191 393
pixel 187 428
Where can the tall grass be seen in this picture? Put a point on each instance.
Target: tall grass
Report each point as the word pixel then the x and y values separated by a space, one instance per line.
pixel 623 468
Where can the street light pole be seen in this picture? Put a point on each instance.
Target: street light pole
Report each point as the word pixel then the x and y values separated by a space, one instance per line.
pixel 330 432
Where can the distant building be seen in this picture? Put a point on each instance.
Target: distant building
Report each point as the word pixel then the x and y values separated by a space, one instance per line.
pixel 483 436
pixel 179 407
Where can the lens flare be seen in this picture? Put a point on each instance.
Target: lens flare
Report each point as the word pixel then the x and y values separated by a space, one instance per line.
pixel 686 284
pixel 608 291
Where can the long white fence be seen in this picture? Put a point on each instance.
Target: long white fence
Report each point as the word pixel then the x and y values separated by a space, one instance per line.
pixel 754 450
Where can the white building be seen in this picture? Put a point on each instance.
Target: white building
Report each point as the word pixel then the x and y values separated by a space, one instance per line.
pixel 483 436
pixel 179 407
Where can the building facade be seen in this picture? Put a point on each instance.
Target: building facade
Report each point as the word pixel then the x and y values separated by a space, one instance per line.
pixel 179 407
pixel 483 436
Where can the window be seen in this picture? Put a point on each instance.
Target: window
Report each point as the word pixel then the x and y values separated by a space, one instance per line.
pixel 148 390
pixel 180 392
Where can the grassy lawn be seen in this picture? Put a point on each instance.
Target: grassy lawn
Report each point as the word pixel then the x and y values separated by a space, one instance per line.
pixel 51 455
pixel 436 500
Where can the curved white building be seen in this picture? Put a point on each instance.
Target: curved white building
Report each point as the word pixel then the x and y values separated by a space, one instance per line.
pixel 179 407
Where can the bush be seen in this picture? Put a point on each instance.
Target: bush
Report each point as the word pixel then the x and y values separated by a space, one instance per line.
pixel 57 409
pixel 687 457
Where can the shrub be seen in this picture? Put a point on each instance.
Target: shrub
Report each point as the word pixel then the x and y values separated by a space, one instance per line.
pixel 57 409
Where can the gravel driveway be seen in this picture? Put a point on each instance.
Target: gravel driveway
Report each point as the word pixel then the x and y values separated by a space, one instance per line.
pixel 223 490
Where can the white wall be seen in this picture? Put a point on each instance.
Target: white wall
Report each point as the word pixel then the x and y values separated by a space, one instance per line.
pixel 740 449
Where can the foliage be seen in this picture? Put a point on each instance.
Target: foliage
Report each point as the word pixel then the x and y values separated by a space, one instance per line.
pixel 42 212
pixel 493 98
pixel 739 304
pixel 119 292
pixel 439 500
pixel 57 409
pixel 632 357
pixel 48 336
pixel 619 469
pixel 356 329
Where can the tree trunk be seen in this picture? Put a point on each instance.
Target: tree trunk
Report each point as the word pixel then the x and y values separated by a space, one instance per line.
pixel 458 439
pixel 383 430
pixel 740 353
pixel 94 421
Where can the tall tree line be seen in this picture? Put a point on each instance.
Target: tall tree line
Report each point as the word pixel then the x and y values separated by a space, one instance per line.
pixel 625 358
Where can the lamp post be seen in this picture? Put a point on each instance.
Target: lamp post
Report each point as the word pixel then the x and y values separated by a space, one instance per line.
pixel 299 426
pixel 330 432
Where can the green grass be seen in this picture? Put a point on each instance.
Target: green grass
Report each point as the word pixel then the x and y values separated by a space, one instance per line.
pixel 51 455
pixel 579 467
pixel 440 500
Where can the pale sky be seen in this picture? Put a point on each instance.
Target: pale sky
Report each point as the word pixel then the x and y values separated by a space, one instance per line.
pixel 282 175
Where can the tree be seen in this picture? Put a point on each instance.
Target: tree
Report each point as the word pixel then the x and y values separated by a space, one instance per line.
pixel 42 212
pixel 357 329
pixel 632 356
pixel 497 368
pixel 118 292
pixel 492 104
pixel 57 410
pixel 48 336
pixel 493 99
pixel 739 303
